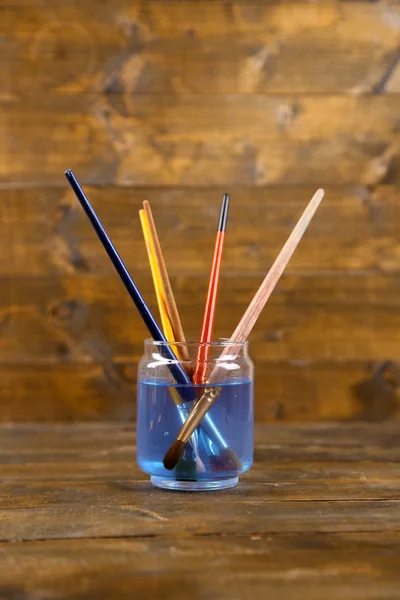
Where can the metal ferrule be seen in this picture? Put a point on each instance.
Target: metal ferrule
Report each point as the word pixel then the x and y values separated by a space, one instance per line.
pixel 197 413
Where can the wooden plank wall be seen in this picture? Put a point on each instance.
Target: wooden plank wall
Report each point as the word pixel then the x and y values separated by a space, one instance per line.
pixel 179 101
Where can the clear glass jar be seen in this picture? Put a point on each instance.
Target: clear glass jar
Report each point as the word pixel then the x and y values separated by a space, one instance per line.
pixel 221 447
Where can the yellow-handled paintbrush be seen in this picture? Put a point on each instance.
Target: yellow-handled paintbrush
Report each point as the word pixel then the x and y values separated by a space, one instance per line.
pixel 165 319
pixel 155 273
pixel 164 284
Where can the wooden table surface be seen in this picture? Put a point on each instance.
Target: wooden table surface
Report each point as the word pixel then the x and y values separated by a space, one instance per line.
pixel 317 517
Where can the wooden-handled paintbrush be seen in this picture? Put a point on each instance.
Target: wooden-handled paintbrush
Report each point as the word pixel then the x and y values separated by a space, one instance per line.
pixel 243 330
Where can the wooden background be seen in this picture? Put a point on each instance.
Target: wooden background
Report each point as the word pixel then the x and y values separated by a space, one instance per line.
pixel 178 102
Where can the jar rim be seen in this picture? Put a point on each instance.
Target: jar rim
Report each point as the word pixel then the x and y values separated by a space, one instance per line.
pixel 218 343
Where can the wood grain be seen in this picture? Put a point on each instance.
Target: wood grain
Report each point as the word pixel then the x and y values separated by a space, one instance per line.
pixel 153 517
pixel 43 231
pixel 347 312
pixel 353 566
pixel 285 391
pixel 307 318
pixel 316 516
pixel 200 47
pixel 179 102
pixel 305 462
pixel 196 140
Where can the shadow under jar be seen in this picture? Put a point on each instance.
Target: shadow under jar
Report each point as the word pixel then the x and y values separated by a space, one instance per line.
pixel 221 447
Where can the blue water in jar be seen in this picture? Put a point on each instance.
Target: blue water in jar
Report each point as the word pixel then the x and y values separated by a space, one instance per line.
pixel 159 421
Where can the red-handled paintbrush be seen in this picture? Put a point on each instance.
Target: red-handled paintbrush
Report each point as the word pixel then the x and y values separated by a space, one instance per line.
pixel 200 372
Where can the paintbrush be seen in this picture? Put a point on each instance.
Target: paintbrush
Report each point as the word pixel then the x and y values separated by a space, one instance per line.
pixel 171 308
pixel 203 352
pixel 165 320
pixel 243 330
pixel 155 273
pixel 187 394
pixel 227 460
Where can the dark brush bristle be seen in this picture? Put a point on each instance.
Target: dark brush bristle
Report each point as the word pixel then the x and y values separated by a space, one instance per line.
pixel 173 455
pixel 186 467
pixel 227 461
pixel 231 459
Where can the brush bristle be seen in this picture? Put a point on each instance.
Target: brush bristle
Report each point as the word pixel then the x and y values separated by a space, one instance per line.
pixel 230 460
pixel 173 455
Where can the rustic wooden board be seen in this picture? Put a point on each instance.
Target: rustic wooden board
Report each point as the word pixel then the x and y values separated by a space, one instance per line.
pixel 51 320
pixel 201 47
pixel 317 516
pixel 350 566
pixel 147 516
pixel 307 318
pixel 56 462
pixel 82 481
pixel 73 439
pixel 43 231
pixel 178 102
pixel 288 487
pixel 284 391
pixel 150 139
pixel 67 392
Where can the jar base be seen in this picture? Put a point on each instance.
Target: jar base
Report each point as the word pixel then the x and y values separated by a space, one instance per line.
pixel 193 486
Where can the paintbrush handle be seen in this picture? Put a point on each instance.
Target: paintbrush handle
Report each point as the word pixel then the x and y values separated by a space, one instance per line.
pixel 187 393
pixel 169 297
pixel 203 352
pixel 255 307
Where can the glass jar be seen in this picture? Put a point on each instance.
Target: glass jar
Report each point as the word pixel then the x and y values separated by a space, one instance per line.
pixel 221 447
